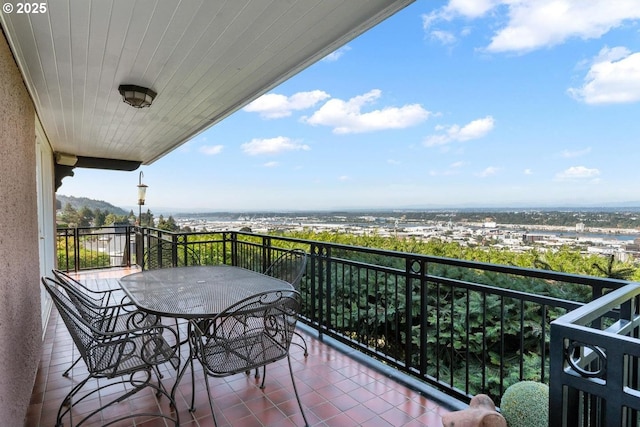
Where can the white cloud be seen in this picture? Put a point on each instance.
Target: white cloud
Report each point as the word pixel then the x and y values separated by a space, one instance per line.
pixel 394 162
pixel 528 172
pixel 614 77
pixel 272 146
pixel 271 164
pixel 568 154
pixel 347 117
pixel 211 150
pixel 344 178
pixel 275 106
pixel 336 54
pixel 577 172
pixel 534 24
pixel 444 37
pixel 469 9
pixel 472 130
pixel 489 171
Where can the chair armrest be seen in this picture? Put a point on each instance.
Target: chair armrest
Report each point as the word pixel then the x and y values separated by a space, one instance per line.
pixel 117 351
pixel 109 319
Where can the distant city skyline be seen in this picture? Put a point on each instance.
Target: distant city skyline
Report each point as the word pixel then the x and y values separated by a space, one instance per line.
pixel 450 104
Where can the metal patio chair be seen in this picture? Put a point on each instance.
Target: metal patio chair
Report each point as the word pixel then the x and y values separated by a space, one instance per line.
pixel 290 267
pixel 101 309
pixel 249 334
pixel 127 356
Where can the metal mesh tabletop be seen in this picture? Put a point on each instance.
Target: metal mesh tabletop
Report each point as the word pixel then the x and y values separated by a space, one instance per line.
pixel 199 291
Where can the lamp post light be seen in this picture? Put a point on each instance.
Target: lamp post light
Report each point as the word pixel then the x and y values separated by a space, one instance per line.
pixel 142 192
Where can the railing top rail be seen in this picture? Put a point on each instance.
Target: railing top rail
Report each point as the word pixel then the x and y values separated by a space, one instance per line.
pixel 593 281
pixel 510 293
pixel 597 308
pixel 86 231
pixel 499 268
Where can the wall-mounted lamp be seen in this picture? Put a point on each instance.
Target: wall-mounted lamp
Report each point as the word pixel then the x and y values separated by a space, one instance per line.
pixel 136 96
pixel 66 159
pixel 142 192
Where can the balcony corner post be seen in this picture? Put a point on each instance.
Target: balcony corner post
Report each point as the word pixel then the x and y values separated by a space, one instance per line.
pixel 556 366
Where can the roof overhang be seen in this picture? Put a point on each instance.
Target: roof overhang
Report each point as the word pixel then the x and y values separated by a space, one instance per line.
pixel 204 59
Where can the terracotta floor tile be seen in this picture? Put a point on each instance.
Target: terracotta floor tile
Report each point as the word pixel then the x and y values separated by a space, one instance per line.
pixel 360 414
pixel 396 417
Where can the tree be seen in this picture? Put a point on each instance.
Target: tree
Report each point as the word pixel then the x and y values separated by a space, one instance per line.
pixel 85 217
pixel 146 219
pixel 69 215
pixel 167 225
pixel 110 218
pixel 614 271
pixel 99 217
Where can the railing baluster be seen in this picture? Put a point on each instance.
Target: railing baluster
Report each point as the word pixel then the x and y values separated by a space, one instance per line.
pixel 467 321
pixel 502 367
pixel 452 322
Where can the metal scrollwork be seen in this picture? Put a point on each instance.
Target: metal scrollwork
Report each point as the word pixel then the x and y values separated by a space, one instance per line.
pixel 416 267
pixel 574 354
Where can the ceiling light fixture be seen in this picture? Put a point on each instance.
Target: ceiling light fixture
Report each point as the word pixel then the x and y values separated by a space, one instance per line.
pixel 136 96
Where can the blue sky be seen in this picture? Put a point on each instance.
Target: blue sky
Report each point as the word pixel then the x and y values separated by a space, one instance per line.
pixel 483 103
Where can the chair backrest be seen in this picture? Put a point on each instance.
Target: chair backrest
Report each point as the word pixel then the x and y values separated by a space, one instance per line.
pixel 80 330
pixel 290 267
pixel 248 334
pixel 105 318
pixel 98 316
pixel 94 298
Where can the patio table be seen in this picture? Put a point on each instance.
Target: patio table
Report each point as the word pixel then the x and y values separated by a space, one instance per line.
pixel 196 292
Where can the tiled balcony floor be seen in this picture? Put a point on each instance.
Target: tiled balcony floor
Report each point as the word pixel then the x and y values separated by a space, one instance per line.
pixel 335 391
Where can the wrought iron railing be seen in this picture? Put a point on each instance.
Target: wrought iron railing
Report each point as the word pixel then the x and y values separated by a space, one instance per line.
pixel 595 363
pixel 463 327
pixel 85 248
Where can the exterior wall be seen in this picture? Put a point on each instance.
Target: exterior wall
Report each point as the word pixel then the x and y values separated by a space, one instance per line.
pixel 20 322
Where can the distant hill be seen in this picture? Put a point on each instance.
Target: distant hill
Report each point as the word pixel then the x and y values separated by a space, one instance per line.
pixel 80 202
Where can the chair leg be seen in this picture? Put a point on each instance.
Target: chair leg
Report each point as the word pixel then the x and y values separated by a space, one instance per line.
pixel 66 373
pixel 303 345
pixel 295 390
pixel 180 373
pixel 193 386
pixel 213 414
pixel 264 375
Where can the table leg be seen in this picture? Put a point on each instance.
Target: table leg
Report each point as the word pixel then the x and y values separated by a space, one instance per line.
pixel 188 363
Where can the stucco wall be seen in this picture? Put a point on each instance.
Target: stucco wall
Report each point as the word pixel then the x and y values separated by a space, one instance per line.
pixel 20 324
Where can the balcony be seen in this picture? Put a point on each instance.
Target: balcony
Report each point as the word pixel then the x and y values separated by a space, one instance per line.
pixel 448 328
